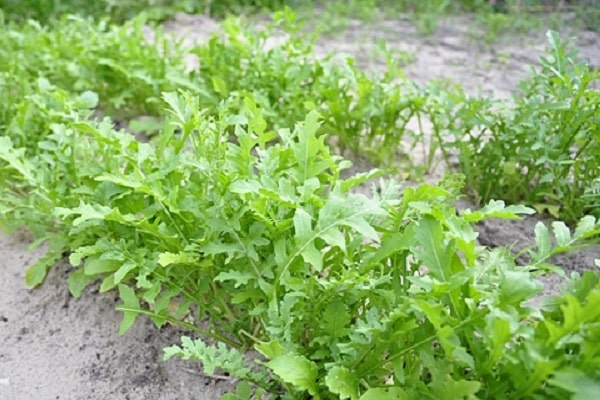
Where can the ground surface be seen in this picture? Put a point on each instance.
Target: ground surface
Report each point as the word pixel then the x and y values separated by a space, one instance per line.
pixel 53 346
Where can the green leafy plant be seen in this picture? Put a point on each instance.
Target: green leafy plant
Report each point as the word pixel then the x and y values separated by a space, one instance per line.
pixel 418 308
pixel 363 113
pixel 234 221
pixel 343 295
pixel 48 11
pixel 118 63
pixel 540 148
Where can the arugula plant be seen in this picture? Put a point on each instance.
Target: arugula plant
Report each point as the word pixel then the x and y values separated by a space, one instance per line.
pixel 117 62
pixel 417 309
pixel 541 148
pixel 47 12
pixel 343 295
pixel 365 114
pixel 227 216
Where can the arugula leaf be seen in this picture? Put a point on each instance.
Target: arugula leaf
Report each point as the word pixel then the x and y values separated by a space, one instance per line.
pixel 297 370
pixel 130 307
pixel 342 382
pixel 390 393
pixel 435 254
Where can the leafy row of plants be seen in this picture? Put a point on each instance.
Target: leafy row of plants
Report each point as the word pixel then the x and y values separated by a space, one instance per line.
pixel 539 148
pixel 236 214
pixel 48 11
pixel 493 16
pixel 544 142
pixel 344 295
pixel 117 63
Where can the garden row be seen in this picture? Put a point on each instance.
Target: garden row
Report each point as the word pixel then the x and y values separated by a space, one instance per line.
pixel 45 11
pixel 233 219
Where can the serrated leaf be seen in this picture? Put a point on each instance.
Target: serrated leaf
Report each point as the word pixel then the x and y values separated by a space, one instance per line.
pixel 561 233
pixel 270 349
pixel 498 332
pixel 296 370
pixel 553 210
pixel 423 193
pixel 392 244
pixel 123 270
pixel 517 286
pixel 312 256
pixel 435 254
pixel 336 319
pixel 130 307
pixel 167 258
pixel 334 237
pixel 15 158
pixel 585 227
pixel 362 226
pixel 36 273
pixel 302 225
pixel 460 389
pixel 304 236
pixel 341 381
pixel 390 393
pixel 244 187
pixel 308 147
pixel 497 209
pixel 241 278
pixel 177 108
pixel 85 211
pixel 132 181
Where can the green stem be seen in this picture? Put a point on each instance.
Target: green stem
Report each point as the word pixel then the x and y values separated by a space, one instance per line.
pixel 211 333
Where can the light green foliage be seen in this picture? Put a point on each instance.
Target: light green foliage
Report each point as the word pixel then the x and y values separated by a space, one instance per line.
pixel 551 169
pixel 540 148
pixel 219 357
pixel 366 114
pixel 127 72
pixel 236 213
pixel 344 295
pixel 47 11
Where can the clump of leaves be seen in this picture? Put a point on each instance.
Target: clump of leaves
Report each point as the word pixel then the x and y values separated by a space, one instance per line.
pixel 406 305
pixel 279 76
pixel 230 217
pixel 541 148
pixel 342 294
pixel 126 71
pixel 278 68
pixel 47 12
pixel 420 308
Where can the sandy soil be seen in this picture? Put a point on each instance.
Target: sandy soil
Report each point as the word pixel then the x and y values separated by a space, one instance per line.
pixel 53 346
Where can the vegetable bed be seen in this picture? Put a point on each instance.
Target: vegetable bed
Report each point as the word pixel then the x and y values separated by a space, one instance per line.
pixel 229 210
